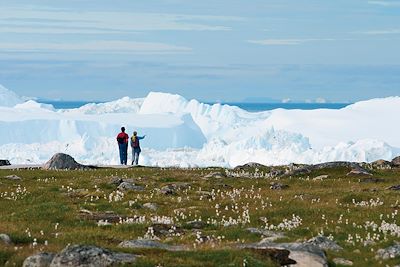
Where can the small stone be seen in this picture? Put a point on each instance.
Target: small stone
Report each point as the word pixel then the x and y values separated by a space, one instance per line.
pixel 149 244
pixel 358 172
pixel 372 180
pixel 39 260
pixel 5 239
pixel 394 187
pixel 126 186
pixel 324 243
pixel 150 206
pixel 13 177
pixel 269 236
pixel 216 175
pixel 195 225
pixel 321 177
pixel 278 186
pixel 389 253
pixel 341 261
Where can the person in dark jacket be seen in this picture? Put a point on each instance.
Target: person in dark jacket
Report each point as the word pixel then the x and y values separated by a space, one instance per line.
pixel 123 140
pixel 136 147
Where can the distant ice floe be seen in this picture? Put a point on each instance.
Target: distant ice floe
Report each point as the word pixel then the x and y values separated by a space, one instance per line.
pixel 189 133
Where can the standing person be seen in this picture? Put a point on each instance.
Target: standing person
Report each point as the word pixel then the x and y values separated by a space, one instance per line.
pixel 123 140
pixel 136 147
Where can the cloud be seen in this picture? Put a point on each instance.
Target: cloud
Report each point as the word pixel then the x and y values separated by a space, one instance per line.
pixel 54 21
pixel 286 41
pixel 381 32
pixel 385 3
pixel 95 47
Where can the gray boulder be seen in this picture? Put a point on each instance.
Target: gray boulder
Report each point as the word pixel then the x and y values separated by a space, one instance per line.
pixel 4 162
pixel 269 236
pixel 5 239
pixel 126 186
pixel 148 244
pixel 62 161
pixel 39 260
pixel 305 254
pixel 394 187
pixel 341 261
pixel 278 186
pixel 396 161
pixel 150 206
pixel 13 177
pixel 324 243
pixel 90 256
pixel 389 253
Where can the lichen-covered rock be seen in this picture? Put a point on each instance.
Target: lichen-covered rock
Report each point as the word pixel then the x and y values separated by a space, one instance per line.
pixel 324 243
pixel 62 161
pixel 5 239
pixel 90 256
pixel 341 261
pixel 278 186
pixel 396 161
pixel 126 186
pixel 148 243
pixel 150 206
pixel 39 260
pixel 389 253
pixel 13 177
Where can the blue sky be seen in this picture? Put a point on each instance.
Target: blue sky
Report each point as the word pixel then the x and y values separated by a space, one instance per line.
pixel 225 50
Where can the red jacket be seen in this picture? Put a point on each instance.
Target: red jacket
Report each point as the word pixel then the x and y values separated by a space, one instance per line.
pixel 123 136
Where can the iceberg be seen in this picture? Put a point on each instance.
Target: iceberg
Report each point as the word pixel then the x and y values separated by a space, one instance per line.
pixel 188 133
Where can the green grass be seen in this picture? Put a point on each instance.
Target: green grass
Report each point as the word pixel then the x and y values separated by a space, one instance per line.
pixel 50 211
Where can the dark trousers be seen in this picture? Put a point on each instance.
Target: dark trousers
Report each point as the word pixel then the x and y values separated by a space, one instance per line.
pixel 123 153
pixel 135 155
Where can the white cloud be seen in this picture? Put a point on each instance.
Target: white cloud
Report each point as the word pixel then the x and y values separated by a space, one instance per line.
pixel 34 20
pixel 381 32
pixel 286 41
pixel 385 3
pixel 113 47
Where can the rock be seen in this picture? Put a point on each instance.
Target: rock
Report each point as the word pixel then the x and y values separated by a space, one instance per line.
pixel 389 253
pixel 251 165
pixel 165 229
pixel 382 164
pixel 148 243
pixel 341 261
pixel 305 254
pixel 126 186
pixel 195 225
pixel 116 181
pixel 62 161
pixel 13 177
pixel 321 177
pixel 216 175
pixel 150 206
pixel 39 260
pixel 5 239
pixel 4 162
pixel 324 243
pixel 171 189
pixel 269 236
pixel 394 187
pixel 90 256
pixel 396 161
pixel 359 172
pixel 280 256
pixel 110 216
pixel 372 180
pixel 278 186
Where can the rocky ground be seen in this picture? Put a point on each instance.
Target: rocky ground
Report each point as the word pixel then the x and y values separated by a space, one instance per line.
pixel 332 214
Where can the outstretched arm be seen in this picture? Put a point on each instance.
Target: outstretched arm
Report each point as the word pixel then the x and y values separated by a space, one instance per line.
pixel 141 137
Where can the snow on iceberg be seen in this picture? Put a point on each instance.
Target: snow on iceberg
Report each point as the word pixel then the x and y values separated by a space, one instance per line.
pixel 189 133
pixel 8 98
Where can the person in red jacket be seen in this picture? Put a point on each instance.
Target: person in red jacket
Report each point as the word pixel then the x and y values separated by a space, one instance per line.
pixel 123 139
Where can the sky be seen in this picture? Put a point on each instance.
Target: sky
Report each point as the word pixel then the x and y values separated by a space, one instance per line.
pixel 211 50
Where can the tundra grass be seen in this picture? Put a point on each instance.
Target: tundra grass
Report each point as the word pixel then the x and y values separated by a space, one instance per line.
pixel 48 210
